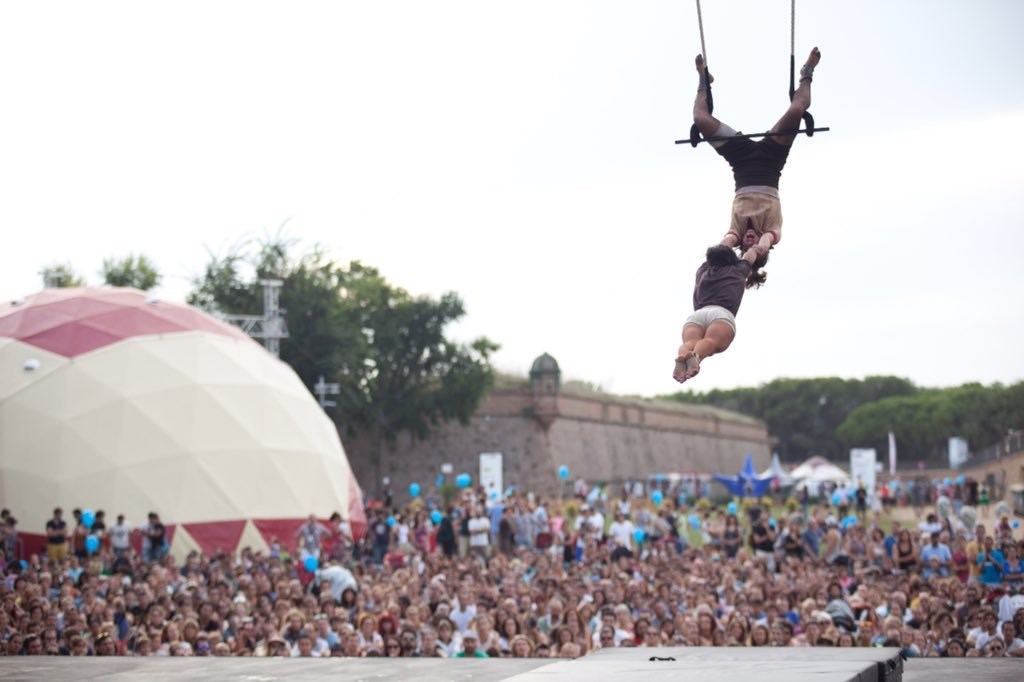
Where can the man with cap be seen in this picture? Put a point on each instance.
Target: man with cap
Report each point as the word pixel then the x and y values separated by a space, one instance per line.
pixel 469 646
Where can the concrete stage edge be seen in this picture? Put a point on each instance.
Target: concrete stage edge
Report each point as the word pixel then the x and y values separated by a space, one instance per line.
pixel 700 664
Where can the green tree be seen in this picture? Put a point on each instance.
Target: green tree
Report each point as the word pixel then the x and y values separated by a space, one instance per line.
pixel 222 288
pixel 408 376
pixel 387 349
pixel 923 423
pixel 60 275
pixel 131 271
pixel 803 414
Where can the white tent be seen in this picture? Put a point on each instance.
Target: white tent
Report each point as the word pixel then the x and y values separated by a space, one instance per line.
pixel 109 400
pixel 776 471
pixel 818 470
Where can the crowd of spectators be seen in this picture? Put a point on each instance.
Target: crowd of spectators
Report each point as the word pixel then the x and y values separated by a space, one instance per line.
pixel 527 577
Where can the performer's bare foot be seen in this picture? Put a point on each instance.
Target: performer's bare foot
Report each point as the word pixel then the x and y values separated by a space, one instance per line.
pixel 701 70
pixel 807 70
pixel 679 373
pixel 686 368
pixel 693 366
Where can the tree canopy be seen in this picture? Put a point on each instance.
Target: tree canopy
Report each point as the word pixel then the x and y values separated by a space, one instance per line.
pixel 387 349
pixel 131 271
pixel 828 416
pixel 60 275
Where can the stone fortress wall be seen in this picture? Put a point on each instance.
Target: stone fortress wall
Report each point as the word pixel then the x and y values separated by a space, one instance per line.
pixel 538 427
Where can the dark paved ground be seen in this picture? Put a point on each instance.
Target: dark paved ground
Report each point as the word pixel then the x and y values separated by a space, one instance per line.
pixel 701 665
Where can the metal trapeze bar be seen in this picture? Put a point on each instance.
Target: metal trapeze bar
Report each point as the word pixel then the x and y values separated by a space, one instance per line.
pixel 716 138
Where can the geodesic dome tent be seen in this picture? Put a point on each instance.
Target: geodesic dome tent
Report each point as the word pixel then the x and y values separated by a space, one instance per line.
pixel 111 400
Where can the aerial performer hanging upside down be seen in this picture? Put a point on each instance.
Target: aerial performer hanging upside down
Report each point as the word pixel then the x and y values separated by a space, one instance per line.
pixel 756 165
pixel 718 291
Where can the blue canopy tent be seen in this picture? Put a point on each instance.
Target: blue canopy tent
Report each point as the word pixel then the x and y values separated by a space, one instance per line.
pixel 747 483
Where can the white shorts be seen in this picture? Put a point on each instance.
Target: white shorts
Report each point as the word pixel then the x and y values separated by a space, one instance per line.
pixel 708 314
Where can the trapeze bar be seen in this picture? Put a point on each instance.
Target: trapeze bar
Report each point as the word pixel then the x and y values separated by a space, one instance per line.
pixel 716 138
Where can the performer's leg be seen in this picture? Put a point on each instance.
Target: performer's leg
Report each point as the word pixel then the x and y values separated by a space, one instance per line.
pixel 801 101
pixel 717 338
pixel 685 361
pixel 706 123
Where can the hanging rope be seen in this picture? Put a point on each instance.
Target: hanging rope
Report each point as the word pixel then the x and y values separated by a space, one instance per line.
pixel 700 25
pixel 694 131
pixel 808 119
pixel 792 26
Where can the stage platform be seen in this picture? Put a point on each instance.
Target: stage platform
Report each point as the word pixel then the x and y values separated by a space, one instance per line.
pixel 698 664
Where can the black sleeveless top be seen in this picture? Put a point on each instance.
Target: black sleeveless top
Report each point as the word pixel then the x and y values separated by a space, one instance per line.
pixel 905 560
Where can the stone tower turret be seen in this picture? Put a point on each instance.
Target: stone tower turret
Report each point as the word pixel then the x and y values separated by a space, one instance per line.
pixel 545 380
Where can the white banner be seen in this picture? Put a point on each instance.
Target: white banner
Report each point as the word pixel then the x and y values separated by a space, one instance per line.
pixel 862 468
pixel 957 452
pixel 491 475
pixel 892 453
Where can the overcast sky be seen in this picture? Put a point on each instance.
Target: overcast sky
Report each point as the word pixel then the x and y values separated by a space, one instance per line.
pixel 521 154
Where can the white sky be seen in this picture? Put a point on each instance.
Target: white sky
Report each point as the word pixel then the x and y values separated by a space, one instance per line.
pixel 520 153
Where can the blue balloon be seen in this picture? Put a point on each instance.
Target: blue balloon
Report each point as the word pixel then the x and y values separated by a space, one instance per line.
pixel 638 534
pixel 24 564
pixel 1015 524
pixel 414 489
pixel 732 507
pixel 310 563
pixel 771 523
pixel 88 518
pixel 436 517
pixel 656 497
pixel 960 479
pixel 391 522
pixel 92 543
pixel 694 521
pixel 440 480
pixel 563 472
pixel 947 481
pixel 463 480
pixel 836 498
pixel 494 494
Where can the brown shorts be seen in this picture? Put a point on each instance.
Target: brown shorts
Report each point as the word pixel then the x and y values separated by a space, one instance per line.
pixel 57 552
pixel 762 210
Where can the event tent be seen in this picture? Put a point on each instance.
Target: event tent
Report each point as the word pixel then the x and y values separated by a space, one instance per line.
pixel 818 470
pixel 776 472
pixel 111 400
